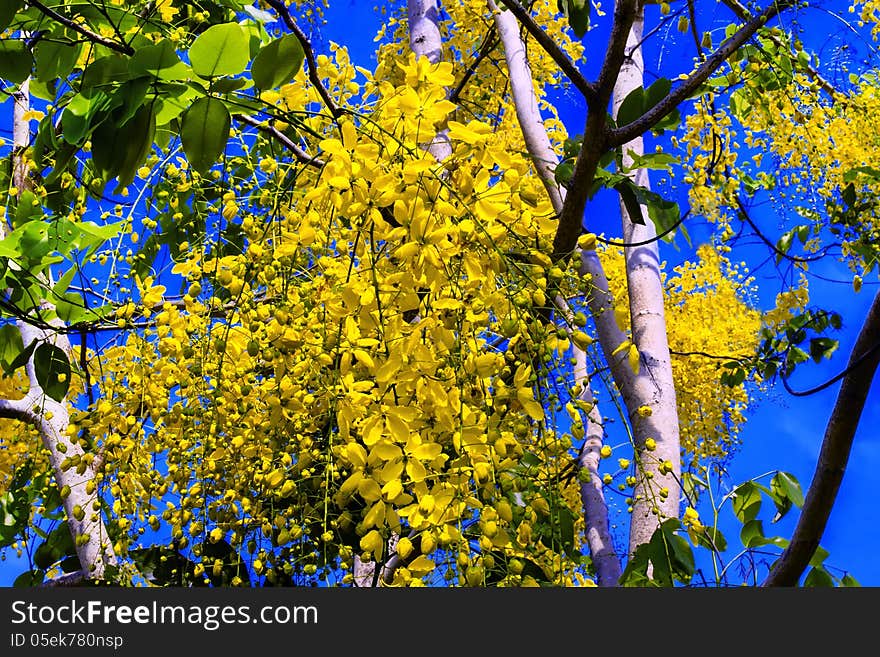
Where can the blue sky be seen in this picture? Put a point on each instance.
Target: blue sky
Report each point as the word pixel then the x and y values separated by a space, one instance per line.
pixel 783 432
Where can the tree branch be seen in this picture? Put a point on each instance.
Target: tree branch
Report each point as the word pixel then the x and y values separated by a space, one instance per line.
pixel 625 12
pixel 94 37
pixel 487 46
pixel 282 10
pixel 287 142
pixel 652 117
pixel 595 140
pixel 18 409
pixel 556 53
pixel 836 447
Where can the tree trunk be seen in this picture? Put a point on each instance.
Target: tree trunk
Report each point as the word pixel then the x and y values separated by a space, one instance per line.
pixel 836 447
pixel 50 417
pixel 544 159
pixel 653 385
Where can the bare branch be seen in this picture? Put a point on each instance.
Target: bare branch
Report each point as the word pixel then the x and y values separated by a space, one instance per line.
pixel 282 10
pixel 18 409
pixel 556 53
pixel 595 142
pixel 836 447
pixel 287 142
pixel 94 37
pixel 652 117
pixel 487 46
pixel 625 12
pixel 571 217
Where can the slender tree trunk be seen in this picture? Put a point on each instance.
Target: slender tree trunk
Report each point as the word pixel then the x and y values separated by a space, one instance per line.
pixel 50 417
pixel 425 41
pixel 544 159
pixel 653 386
pixel 836 447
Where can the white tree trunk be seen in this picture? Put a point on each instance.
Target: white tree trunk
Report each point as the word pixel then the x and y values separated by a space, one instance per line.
pixel 653 386
pixel 50 417
pixel 20 140
pixel 93 544
pixel 425 41
pixel 545 161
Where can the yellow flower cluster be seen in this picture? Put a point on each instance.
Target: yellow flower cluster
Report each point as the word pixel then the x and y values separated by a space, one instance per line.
pixel 342 379
pixel 709 322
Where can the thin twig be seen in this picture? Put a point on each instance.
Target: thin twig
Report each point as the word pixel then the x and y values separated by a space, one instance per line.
pixel 489 43
pixel 743 14
pixel 299 153
pixel 76 27
pixel 312 63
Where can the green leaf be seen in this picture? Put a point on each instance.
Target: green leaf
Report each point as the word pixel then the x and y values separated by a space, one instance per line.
pixel 822 348
pixel 15 61
pixel 30 578
pixel 664 215
pixel 74 119
pixel 58 545
pixel 661 161
pixel 786 485
pixel 632 107
pixel 563 172
pixel 160 60
pixel 64 282
pixel 136 139
pixel 103 73
pixel 277 62
pixel 711 536
pixel 818 577
pixel 746 501
pixel 220 50
pixel 228 85
pixel 27 210
pixel 819 557
pixel 849 580
pixel 204 132
pixel 52 369
pixel 630 201
pixel 10 346
pixel 55 59
pixel 21 359
pixel 658 90
pixel 636 571
pixel 677 550
pixel 173 101
pixel 752 534
pixel 33 240
pixel 578 14
pixel 8 10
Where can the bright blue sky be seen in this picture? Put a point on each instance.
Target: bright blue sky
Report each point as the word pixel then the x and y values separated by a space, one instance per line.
pixel 783 432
